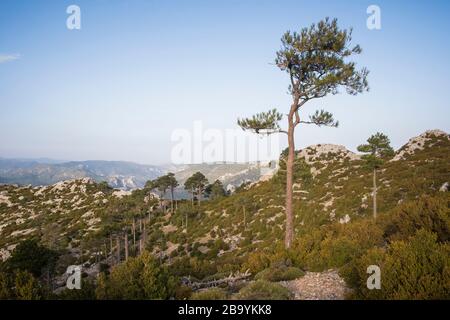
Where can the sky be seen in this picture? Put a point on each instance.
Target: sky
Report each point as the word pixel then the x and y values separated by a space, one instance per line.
pixel 137 70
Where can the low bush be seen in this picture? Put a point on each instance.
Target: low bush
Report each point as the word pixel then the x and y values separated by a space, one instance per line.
pixel 263 290
pixel 279 274
pixel 430 213
pixel 415 269
pixel 210 294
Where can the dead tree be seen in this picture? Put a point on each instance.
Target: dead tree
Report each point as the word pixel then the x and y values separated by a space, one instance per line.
pixel 118 249
pixel 126 245
pixel 230 280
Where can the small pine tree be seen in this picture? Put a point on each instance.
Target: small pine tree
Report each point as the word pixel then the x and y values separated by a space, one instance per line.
pixel 196 184
pixel 377 149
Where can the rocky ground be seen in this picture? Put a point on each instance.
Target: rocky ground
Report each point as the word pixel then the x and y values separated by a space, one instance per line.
pixel 327 285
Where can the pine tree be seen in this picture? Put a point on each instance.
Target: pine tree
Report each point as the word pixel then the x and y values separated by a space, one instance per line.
pixel 196 184
pixel 377 149
pixel 315 60
pixel 215 190
pixel 173 183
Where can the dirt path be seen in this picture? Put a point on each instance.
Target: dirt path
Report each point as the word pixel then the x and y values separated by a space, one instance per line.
pixel 327 285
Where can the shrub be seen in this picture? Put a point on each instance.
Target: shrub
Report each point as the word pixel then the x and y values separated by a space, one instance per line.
pixel 183 292
pixel 87 292
pixel 336 245
pixel 430 213
pixel 31 257
pixel 210 294
pixel 418 269
pixel 20 285
pixel 263 290
pixel 138 278
pixel 280 274
pixel 256 262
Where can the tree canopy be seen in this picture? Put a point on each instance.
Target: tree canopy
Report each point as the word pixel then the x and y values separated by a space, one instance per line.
pixel 377 147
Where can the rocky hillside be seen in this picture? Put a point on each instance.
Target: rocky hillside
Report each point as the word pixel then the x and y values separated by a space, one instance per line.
pixel 333 187
pixel 81 217
pixel 61 214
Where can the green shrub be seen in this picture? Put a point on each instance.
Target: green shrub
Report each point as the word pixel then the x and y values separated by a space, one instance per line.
pixel 256 262
pixel 280 274
pixel 20 285
pixel 137 278
pixel 210 294
pixel 183 292
pixel 336 245
pixel 414 269
pixel 430 213
pixel 263 290
pixel 87 292
pixel 30 256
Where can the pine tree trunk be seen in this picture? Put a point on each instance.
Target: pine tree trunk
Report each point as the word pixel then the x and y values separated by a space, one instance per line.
pixel 134 233
pixel 143 239
pixel 126 245
pixel 106 249
pixel 245 218
pixel 161 203
pixel 374 193
pixel 171 199
pixel 118 249
pixel 140 225
pixel 289 185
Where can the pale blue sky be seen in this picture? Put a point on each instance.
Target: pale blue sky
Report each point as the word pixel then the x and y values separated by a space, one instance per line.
pixel 137 70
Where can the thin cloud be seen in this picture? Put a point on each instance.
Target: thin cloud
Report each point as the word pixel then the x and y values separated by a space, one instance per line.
pixel 8 57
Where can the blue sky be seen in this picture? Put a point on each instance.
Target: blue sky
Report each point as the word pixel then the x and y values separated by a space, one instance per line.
pixel 137 70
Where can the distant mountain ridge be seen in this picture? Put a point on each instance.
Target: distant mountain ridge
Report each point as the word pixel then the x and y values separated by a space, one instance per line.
pixel 121 174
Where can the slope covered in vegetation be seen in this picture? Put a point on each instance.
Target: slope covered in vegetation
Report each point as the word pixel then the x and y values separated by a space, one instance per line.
pixel 90 224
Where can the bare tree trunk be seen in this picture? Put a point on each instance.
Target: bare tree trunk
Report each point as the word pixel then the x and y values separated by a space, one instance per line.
pixel 289 182
pixel 192 198
pixel 141 246
pixel 245 218
pixel 140 225
pixel 374 193
pixel 171 199
pixel 161 203
pixel 118 249
pixel 134 233
pixel 143 240
pixel 126 245
pixel 110 243
pixel 106 249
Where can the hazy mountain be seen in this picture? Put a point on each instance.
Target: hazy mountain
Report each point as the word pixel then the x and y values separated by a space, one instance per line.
pixel 121 174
